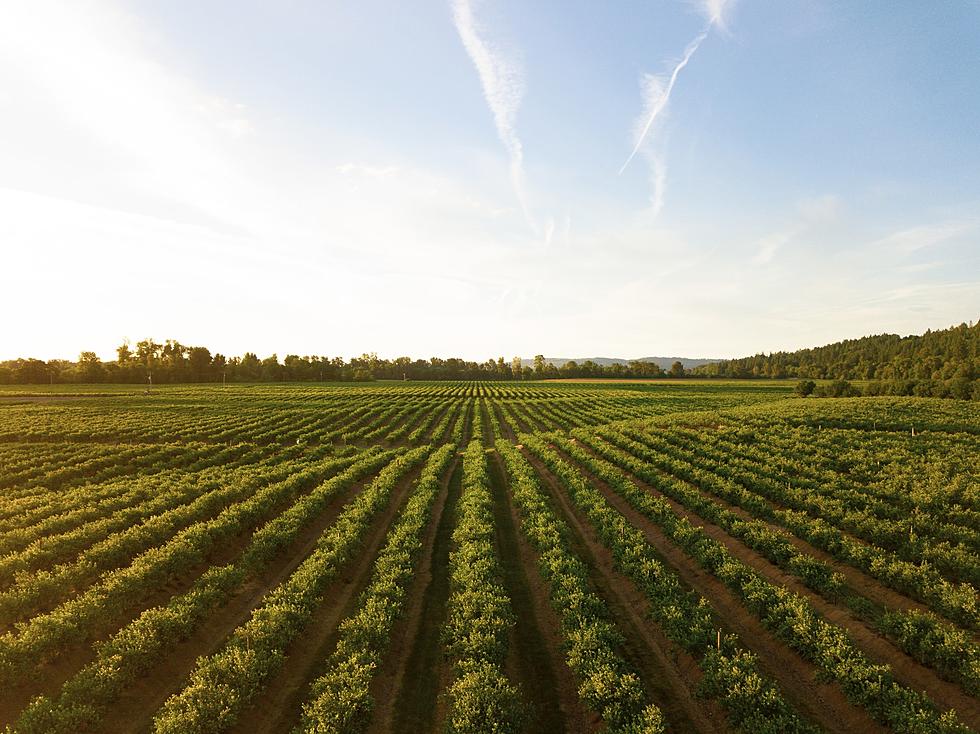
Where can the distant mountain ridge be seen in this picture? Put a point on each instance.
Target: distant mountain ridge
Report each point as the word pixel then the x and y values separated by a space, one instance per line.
pixel 662 362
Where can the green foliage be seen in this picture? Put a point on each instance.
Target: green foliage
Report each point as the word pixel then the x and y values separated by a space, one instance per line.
pixel 481 699
pixel 684 617
pixel 942 364
pixel 607 685
pixel 223 683
pixel 340 699
pixel 804 388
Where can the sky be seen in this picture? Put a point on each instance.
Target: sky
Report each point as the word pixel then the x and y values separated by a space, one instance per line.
pixel 483 178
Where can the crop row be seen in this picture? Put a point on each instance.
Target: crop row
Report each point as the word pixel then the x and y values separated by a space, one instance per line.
pixel 339 699
pixel 857 512
pixel 730 673
pixel 225 682
pixel 949 649
pixel 42 637
pixel 791 618
pixel 957 602
pixel 607 685
pixel 141 644
pixel 481 698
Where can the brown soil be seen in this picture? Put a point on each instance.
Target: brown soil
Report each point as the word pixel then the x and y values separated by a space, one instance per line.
pixel 869 586
pixel 536 661
pixel 876 646
pixel 412 703
pixel 279 706
pixel 505 427
pixel 670 675
pixel 428 435
pixel 71 657
pixel 96 573
pixel 485 424
pixel 857 579
pixel 797 679
pixel 144 696
pixel 522 425
pixel 701 463
pixel 390 678
pixel 533 423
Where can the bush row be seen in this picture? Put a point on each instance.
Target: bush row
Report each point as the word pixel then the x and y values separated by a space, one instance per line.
pixel 222 684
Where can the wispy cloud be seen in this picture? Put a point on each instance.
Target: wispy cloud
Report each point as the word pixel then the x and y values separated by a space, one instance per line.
pixel 656 95
pixel 912 239
pixel 656 91
pixel 811 213
pixel 716 12
pixel 503 88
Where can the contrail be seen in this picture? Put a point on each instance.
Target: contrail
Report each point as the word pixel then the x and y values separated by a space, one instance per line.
pixel 503 88
pixel 714 11
pixel 661 103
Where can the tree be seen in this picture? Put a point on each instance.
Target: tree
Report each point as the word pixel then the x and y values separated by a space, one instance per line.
pixel 123 353
pixel 804 388
pixel 220 365
pixel 517 368
pixel 199 359
pixel 271 369
pixel 148 352
pixel 501 369
pixel 249 367
pixel 677 369
pixel 539 365
pixel 362 375
pixel 30 371
pixel 90 367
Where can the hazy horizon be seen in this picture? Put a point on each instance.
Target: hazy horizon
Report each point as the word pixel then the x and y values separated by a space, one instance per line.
pixel 707 179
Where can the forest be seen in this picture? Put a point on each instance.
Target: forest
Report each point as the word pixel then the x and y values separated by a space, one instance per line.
pixel 172 362
pixel 944 363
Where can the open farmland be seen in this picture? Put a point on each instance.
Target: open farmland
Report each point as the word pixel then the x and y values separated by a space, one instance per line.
pixel 543 557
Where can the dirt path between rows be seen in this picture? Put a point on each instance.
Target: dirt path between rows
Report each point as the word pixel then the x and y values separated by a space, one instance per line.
pixel 869 586
pixel 703 464
pixel 134 710
pixel 71 657
pixel 877 647
pixel 428 434
pixel 535 661
pixel 505 428
pixel 823 703
pixel 485 425
pixel 857 579
pixel 421 672
pixel 670 675
pixel 279 706
pixel 390 678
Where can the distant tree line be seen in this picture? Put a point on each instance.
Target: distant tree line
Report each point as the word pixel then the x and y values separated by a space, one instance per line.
pixel 942 363
pixel 149 362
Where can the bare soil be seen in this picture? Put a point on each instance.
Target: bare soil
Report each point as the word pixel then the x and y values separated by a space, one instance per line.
pixel 877 647
pixel 670 675
pixel 535 660
pixel 414 703
pixel 70 658
pixel 822 703
pixel 279 706
pixel 134 710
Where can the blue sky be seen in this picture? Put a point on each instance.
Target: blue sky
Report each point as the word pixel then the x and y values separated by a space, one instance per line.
pixel 444 178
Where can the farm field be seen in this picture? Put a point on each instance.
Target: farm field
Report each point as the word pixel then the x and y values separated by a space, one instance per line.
pixel 487 556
